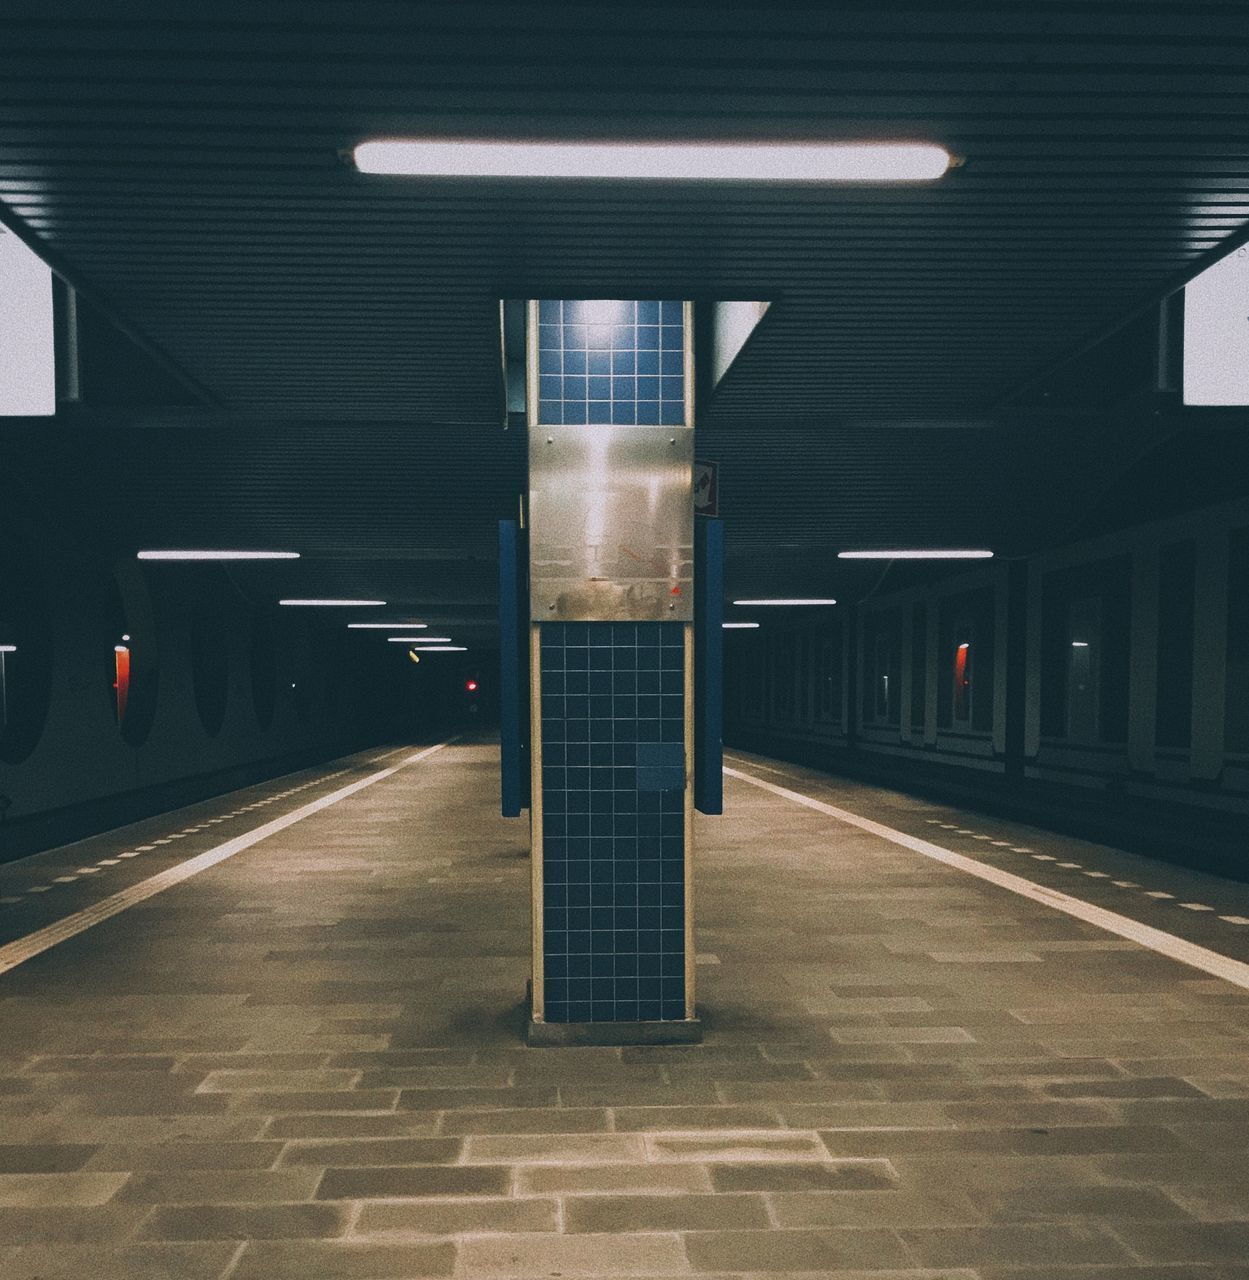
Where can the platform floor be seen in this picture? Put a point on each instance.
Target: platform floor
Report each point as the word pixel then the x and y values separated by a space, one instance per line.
pixel 305 1060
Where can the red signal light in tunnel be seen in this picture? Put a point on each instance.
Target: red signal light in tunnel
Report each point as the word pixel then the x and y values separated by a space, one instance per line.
pixel 470 686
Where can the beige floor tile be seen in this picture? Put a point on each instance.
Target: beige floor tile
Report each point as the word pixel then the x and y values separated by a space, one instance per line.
pixel 548 1120
pixel 612 1179
pixel 654 1119
pixel 820 1252
pixel 220 1186
pixel 577 1255
pixel 150 1157
pixel 832 1175
pixel 38 1190
pixel 412 1182
pixel 205 1221
pixel 736 1147
pixel 481 1216
pixel 348 1152
pixel 345 1260
pixel 574 1148
pixel 129 1262
pixel 605 1213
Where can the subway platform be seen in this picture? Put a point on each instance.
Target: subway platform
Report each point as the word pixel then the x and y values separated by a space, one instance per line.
pixel 279 1035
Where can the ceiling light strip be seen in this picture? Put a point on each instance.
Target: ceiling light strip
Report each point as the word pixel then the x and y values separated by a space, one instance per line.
pixel 787 602
pixel 816 162
pixel 218 555
pixel 332 604
pixel 935 553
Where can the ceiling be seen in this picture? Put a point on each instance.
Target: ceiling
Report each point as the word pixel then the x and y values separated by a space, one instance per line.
pixel 181 165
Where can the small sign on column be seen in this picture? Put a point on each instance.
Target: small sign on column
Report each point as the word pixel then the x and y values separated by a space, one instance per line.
pixel 706 489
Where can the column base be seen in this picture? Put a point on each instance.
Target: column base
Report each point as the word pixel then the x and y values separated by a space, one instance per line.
pixel 546 1035
pixel 555 1034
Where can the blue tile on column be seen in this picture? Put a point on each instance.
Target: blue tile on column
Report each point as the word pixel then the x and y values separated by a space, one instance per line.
pixel 613 838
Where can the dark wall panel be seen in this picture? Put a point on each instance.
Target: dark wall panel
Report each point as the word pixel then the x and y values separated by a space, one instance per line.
pixel 968 619
pixel 1176 583
pixel 919 665
pixel 1109 583
pixel 1236 706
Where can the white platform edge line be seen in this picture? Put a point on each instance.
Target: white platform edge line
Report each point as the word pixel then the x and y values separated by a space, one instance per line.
pixel 1234 971
pixel 22 949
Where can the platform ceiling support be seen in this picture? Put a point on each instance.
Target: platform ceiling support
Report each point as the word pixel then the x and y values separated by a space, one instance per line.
pixel 611 589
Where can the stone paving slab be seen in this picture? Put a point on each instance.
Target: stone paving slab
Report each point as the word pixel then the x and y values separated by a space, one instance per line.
pixel 129 1262
pixel 306 1063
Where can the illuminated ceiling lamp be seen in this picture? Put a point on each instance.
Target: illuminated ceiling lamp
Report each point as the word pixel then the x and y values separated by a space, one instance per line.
pixel 332 604
pixel 922 553
pixel 787 602
pixel 813 162
pixel 218 555
pixel 27 331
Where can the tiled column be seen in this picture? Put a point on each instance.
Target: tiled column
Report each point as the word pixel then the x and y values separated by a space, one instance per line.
pixel 611 602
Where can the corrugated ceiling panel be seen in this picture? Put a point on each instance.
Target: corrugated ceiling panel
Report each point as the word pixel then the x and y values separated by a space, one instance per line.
pixel 185 162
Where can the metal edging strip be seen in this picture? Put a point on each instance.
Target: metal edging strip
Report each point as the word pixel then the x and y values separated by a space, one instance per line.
pixel 537 995
pixel 690 958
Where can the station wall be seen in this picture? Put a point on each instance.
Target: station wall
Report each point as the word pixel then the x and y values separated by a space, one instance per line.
pixel 131 688
pixel 1107 680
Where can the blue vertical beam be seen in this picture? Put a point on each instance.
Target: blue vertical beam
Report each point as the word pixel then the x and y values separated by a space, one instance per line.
pixel 708 665
pixel 1016 665
pixel 513 774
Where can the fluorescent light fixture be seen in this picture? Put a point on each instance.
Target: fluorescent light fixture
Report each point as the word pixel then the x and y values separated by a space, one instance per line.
pixel 387 626
pixel 1079 644
pixel 419 639
pixel 8 648
pixel 663 161
pixel 218 555
pixel 28 370
pixel 444 648
pixel 332 604
pixel 1215 344
pixel 928 554
pixel 796 600
pixel 738 626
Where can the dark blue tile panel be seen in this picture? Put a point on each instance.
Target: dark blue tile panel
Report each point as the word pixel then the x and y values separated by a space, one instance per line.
pixel 606 362
pixel 613 851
